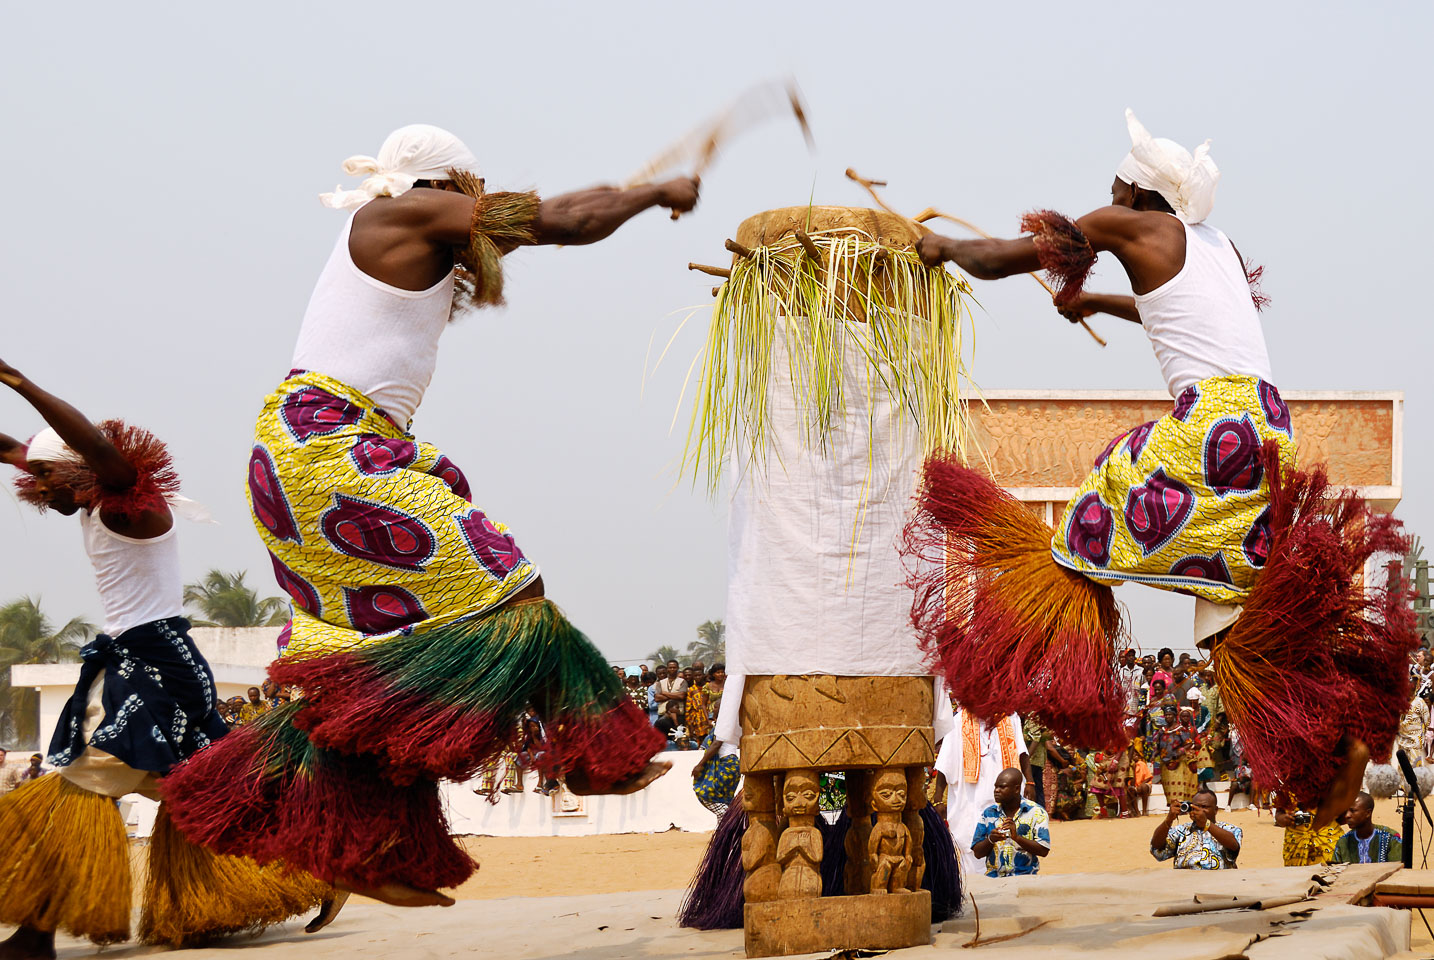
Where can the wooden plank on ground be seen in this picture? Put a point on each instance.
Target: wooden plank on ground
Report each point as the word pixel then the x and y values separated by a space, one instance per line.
pixel 1354 882
pixel 1408 883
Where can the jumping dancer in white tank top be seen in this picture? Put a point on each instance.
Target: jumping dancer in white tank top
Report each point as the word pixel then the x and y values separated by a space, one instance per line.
pixel 420 631
pixel 144 702
pixel 1204 501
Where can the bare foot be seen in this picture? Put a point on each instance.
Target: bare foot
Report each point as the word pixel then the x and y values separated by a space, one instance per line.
pixel 1346 786
pixel 328 910
pixel 27 943
pixel 395 894
pixel 577 780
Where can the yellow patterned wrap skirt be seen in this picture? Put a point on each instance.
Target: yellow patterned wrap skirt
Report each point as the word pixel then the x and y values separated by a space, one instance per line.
pixel 1182 503
pixel 375 534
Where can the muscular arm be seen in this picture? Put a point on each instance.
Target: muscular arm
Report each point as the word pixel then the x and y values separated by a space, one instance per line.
pixel 83 436
pixel 1115 304
pixel 587 216
pixel 1151 247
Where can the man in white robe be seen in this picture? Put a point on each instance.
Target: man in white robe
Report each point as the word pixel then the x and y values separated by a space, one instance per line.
pixel 1000 746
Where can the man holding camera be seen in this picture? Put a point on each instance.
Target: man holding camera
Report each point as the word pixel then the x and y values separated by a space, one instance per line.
pixel 1202 844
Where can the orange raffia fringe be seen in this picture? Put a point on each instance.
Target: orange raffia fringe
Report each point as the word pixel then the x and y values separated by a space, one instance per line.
pixel 64 862
pixel 1012 630
pixel 192 896
pixel 1319 654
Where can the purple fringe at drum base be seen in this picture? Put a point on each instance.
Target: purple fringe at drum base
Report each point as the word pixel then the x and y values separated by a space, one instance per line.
pixel 714 899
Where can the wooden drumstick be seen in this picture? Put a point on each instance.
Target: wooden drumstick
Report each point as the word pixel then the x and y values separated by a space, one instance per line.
pixel 928 214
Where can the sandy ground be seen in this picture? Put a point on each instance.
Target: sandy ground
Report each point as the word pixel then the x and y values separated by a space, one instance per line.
pixel 546 867
pixel 608 871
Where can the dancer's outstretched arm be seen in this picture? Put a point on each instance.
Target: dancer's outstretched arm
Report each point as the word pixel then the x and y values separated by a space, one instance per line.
pixel 587 216
pixel 109 465
pixel 445 216
pixel 1151 247
pixel 1115 304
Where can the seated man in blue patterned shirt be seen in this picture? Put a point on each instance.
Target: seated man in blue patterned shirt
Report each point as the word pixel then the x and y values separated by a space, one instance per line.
pixel 1202 844
pixel 1013 833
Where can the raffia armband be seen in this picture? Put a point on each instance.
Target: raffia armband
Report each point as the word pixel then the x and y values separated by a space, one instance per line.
pixel 1065 254
pixel 502 221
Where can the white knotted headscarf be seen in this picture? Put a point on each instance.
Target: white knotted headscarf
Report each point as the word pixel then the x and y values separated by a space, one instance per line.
pixel 49 447
pixel 416 152
pixel 1186 181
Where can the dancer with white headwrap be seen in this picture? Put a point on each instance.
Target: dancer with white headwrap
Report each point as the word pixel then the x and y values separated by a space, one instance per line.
pixel 1205 501
pixel 145 700
pixel 420 632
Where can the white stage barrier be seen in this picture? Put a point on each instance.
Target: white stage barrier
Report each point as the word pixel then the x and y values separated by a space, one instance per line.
pixel 666 804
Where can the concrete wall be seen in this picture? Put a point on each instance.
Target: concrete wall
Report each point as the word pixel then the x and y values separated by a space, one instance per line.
pixel 667 804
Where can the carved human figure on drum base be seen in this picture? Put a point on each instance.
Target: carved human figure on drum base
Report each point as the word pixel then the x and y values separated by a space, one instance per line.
pixel 759 841
pixel 889 846
pixel 800 849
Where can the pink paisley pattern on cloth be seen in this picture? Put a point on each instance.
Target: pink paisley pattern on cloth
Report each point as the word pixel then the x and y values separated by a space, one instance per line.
pixel 370 529
pixel 1192 492
pixel 1138 438
pixel 1091 526
pixel 378 534
pixel 1232 457
pixel 314 412
pixel 1277 414
pixel 497 551
pixel 266 497
pixel 300 591
pixel 1157 510
pixel 1257 542
pixel 447 471
pixel 377 456
pixel 382 609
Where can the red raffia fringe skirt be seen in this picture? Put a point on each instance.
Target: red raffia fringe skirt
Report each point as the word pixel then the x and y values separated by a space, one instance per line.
pixel 343 783
pixel 1318 654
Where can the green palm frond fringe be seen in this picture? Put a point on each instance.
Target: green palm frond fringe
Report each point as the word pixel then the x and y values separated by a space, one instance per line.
pixel 912 323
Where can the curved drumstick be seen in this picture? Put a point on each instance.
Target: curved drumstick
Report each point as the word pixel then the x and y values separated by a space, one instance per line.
pixel 930 214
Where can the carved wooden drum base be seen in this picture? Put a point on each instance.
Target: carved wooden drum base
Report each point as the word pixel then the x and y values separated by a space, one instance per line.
pixel 780 928
pixel 877 730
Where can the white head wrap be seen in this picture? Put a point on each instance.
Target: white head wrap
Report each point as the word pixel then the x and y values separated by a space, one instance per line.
pixel 1186 181
pixel 49 447
pixel 415 152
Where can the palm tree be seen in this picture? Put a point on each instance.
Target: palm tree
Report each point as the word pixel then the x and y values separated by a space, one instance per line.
pixel 224 600
pixel 663 654
pixel 711 644
pixel 27 636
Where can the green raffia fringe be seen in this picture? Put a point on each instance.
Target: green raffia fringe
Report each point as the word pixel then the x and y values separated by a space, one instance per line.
pixel 912 337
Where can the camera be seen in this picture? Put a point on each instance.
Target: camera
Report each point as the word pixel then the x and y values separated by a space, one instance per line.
pixel 1303 819
pixel 1184 806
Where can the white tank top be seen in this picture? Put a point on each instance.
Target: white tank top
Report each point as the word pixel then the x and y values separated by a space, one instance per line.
pixel 375 337
pixel 1202 322
pixel 139 580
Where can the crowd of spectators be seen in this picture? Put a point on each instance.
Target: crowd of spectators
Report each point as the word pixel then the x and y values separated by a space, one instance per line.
pixel 1180 738
pixel 257 701
pixel 681 702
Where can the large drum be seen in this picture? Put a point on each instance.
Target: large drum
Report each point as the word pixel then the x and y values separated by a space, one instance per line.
pixel 834 364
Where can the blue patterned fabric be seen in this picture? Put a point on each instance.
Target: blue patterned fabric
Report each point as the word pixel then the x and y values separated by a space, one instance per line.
pixel 1006 859
pixel 1196 849
pixel 718 784
pixel 158 699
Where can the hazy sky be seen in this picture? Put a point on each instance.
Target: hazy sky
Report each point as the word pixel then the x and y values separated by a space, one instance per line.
pixel 162 229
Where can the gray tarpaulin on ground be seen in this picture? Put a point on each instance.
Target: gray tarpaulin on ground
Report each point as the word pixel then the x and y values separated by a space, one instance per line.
pixel 1110 915
pixel 1085 916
